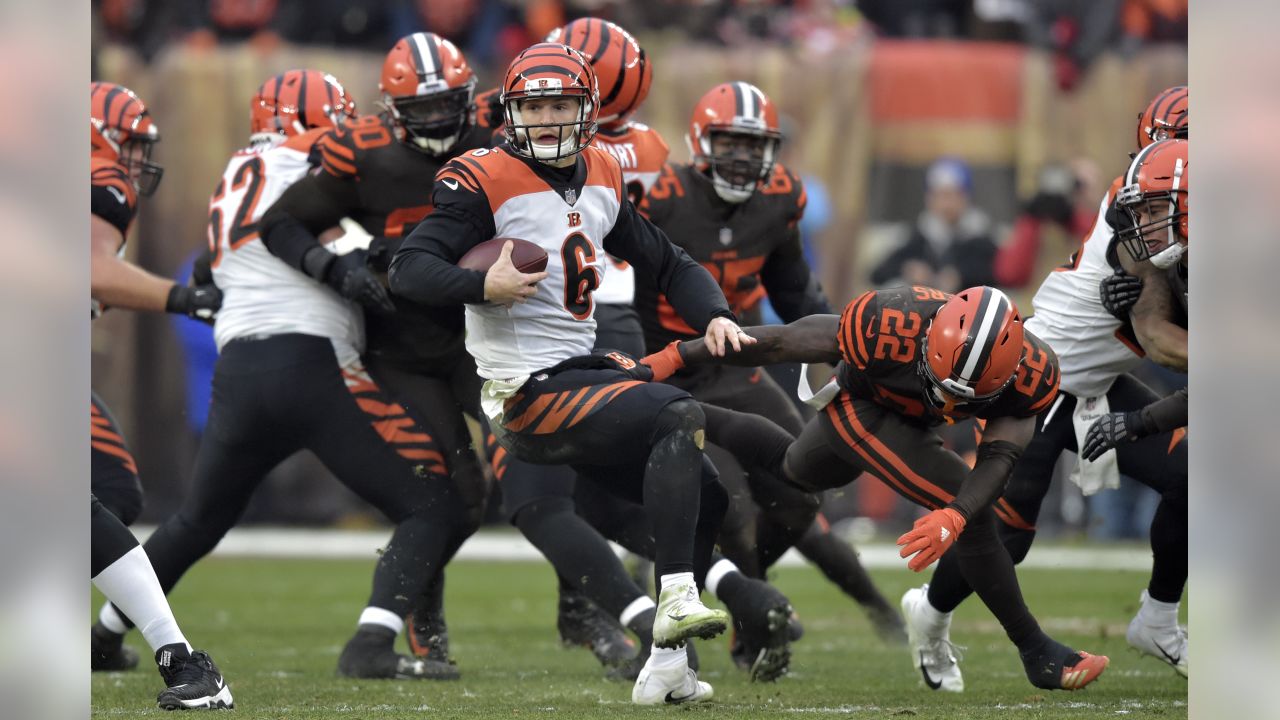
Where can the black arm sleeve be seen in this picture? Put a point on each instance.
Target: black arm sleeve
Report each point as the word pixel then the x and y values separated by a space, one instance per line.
pixel 688 286
pixel 424 269
pixel 793 290
pixel 988 478
pixel 1168 413
pixel 315 203
pixel 112 207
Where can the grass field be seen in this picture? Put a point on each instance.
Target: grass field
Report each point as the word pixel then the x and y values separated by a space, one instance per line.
pixel 275 627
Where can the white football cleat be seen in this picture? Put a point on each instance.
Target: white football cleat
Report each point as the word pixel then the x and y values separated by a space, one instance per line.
pixel 1166 643
pixel 671 687
pixel 929 641
pixel 682 616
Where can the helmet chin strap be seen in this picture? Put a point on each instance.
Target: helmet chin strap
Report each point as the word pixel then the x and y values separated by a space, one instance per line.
pixel 1166 258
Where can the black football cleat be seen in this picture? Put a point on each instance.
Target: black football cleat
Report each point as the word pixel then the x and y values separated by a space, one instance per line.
pixel 371 654
pixel 429 636
pixel 762 642
pixel 581 623
pixel 193 681
pixel 108 653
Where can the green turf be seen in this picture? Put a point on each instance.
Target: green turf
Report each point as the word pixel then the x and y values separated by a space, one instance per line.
pixel 275 627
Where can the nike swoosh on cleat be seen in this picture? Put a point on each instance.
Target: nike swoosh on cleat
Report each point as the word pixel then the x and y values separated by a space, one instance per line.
pixel 933 684
pixel 1173 660
pixel 677 618
pixel 672 699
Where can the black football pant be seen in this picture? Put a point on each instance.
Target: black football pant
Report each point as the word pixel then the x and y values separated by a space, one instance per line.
pixel 1159 462
pixel 113 472
pixel 277 395
pixel 641 441
pixel 109 539
pixel 852 436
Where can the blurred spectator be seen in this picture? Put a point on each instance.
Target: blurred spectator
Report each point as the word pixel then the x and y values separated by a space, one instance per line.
pixel 918 18
pixel 950 246
pixel 1067 200
pixel 1153 21
pixel 1075 32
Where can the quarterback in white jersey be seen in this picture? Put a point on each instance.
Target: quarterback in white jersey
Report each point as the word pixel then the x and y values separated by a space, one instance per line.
pixel 261 294
pixel 551 401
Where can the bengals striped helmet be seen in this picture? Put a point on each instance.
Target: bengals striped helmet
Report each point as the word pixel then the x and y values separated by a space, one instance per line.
pixel 1155 197
pixel 1165 117
pixel 296 101
pixel 429 90
pixel 734 135
pixel 121 130
pixel 971 350
pixel 557 71
pixel 622 69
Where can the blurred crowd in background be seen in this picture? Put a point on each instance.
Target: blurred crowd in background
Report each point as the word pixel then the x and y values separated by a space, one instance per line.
pixel 949 143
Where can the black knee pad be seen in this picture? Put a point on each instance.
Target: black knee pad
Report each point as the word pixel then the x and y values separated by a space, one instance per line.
pixel 681 416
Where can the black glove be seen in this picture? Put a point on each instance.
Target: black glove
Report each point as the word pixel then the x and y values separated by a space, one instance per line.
pixel 198 303
pixel 1119 292
pixel 350 275
pixel 1114 429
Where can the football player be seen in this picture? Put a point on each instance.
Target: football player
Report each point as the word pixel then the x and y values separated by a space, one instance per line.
pixel 374 169
pixel 1156 240
pixel 548 399
pixel 1097 351
pixel 737 211
pixel 289 377
pixel 911 358
pixel 122 137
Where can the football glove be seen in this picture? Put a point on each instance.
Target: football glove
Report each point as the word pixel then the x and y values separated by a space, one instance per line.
pixel 350 275
pixel 1111 430
pixel 1119 292
pixel 666 362
pixel 931 536
pixel 198 303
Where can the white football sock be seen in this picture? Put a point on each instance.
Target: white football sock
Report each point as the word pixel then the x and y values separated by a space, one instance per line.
pixel 112 620
pixel 634 609
pixel 1158 614
pixel 131 584
pixel 718 571
pixel 668 658
pixel 383 618
pixel 684 578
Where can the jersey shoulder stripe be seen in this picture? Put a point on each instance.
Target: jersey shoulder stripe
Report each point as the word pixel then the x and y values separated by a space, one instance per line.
pixel 853 344
pixel 501 176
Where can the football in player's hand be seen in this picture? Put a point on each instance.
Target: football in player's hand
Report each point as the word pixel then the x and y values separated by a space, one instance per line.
pixel 526 256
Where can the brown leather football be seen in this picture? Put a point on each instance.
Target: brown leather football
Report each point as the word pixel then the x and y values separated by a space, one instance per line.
pixel 526 256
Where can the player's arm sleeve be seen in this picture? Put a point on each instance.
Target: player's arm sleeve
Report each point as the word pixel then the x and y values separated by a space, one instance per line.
pixel 425 269
pixel 1002 442
pixel 810 339
pixel 310 206
pixel 1168 413
pixel 793 290
pixel 115 210
pixel 688 286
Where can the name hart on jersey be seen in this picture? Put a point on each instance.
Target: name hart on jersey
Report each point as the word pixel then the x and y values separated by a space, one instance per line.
pixel 624 153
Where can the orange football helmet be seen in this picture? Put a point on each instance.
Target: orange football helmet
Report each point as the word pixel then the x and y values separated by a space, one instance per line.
pixel 971 350
pixel 296 101
pixel 621 66
pixel 550 70
pixel 429 91
pixel 1165 117
pixel 1155 196
pixel 122 131
pixel 749 118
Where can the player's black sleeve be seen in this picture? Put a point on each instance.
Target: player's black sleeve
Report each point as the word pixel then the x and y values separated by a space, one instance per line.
pixel 793 290
pixel 1168 413
pixel 111 207
pixel 688 286
pixel 424 268
pixel 310 206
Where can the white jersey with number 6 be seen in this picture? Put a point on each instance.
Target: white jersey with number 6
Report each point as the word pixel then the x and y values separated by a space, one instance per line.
pixel 261 294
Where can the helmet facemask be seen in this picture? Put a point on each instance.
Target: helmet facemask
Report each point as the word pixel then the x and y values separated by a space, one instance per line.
pixel 738 160
pixel 1157 223
pixel 523 134
pixel 434 123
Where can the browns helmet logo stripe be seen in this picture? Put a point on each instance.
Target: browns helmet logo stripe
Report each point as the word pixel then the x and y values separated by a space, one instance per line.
pixel 426 55
pixel 992 309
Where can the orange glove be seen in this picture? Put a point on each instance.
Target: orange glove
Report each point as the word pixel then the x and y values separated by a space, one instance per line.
pixel 930 537
pixel 665 362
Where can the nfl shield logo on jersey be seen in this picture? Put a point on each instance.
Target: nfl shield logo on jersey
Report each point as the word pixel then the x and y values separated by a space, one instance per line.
pixel 571 196
pixel 726 236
